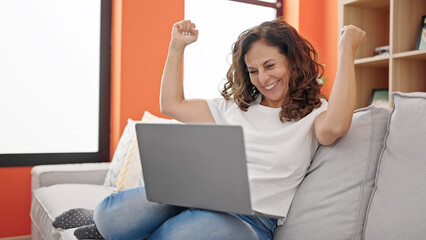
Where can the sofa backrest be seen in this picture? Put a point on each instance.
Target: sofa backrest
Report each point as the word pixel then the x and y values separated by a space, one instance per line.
pixel 331 201
pixel 398 203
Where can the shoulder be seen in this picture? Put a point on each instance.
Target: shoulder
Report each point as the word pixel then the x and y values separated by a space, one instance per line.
pixel 220 103
pixel 323 106
pixel 314 114
pixel 219 107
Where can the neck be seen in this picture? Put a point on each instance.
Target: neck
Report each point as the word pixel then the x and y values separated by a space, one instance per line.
pixel 274 104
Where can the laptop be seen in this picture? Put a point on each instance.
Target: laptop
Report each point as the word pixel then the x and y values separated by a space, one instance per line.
pixel 196 165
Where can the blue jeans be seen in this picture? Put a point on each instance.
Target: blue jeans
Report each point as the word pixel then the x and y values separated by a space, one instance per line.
pixel 129 215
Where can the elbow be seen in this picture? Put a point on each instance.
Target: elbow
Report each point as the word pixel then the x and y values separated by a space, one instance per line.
pixel 169 108
pixel 328 136
pixel 164 109
pixel 340 130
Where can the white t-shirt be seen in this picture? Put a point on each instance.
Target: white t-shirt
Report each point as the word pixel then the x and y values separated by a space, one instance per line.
pixel 278 154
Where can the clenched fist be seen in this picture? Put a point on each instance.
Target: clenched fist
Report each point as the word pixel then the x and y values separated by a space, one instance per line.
pixel 351 37
pixel 183 34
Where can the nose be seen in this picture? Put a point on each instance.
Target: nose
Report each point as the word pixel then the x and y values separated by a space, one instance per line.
pixel 263 77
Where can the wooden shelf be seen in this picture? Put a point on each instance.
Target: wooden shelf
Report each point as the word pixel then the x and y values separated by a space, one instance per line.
pixel 375 4
pixel 416 54
pixel 386 22
pixel 376 61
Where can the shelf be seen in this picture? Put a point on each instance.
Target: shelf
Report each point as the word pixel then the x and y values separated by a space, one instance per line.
pixel 376 61
pixel 407 16
pixel 377 4
pixel 415 54
pixel 386 22
pixel 373 21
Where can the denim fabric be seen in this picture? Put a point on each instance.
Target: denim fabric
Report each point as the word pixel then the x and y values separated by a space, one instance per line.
pixel 264 227
pixel 129 215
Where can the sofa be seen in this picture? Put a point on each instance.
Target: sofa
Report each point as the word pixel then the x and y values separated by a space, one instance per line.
pixel 370 184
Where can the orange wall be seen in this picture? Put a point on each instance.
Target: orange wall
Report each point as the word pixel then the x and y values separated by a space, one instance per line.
pixel 141 33
pixel 145 35
pixel 15 197
pixel 318 22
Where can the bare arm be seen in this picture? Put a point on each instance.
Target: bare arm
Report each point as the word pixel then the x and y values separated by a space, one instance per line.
pixel 172 98
pixel 336 120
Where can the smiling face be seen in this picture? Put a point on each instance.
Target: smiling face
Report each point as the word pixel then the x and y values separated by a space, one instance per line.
pixel 269 71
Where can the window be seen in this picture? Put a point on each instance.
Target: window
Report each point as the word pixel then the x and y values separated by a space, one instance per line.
pixel 219 22
pixel 54 81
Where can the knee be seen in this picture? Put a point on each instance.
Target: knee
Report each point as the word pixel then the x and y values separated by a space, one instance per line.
pixel 115 204
pixel 110 214
pixel 178 228
pixel 103 209
pixel 200 224
pixel 103 215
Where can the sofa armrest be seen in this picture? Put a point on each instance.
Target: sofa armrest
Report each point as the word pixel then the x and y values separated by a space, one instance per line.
pixel 87 173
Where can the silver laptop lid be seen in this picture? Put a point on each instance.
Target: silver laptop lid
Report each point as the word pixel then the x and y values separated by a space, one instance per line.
pixel 195 165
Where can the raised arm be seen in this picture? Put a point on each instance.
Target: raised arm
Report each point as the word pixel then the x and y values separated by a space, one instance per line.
pixel 336 120
pixel 172 98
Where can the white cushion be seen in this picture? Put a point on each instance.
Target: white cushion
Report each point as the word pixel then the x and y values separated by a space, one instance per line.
pixel 120 153
pixel 130 175
pixel 49 202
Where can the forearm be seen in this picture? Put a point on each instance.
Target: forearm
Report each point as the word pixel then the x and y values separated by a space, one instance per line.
pixel 336 121
pixel 171 92
pixel 342 100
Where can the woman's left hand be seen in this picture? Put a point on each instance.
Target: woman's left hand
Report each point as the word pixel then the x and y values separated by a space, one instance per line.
pixel 351 37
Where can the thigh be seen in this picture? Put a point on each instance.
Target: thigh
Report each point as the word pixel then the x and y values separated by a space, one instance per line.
pixel 264 227
pixel 129 215
pixel 203 224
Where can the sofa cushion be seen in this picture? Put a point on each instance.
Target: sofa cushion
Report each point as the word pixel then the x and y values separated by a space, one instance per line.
pixel 49 202
pixel 51 174
pixel 332 200
pixel 68 234
pixel 130 174
pixel 398 204
pixel 120 153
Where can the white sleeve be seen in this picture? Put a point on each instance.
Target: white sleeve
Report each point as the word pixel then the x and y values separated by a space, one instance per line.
pixel 317 112
pixel 322 108
pixel 217 108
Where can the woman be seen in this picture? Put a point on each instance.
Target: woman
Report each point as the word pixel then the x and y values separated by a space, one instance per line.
pixel 273 93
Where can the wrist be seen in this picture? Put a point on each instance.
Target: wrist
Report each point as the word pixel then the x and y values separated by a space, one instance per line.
pixel 346 50
pixel 175 47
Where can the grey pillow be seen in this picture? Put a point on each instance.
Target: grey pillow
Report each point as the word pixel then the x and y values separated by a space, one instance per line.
pixel 331 201
pixel 398 204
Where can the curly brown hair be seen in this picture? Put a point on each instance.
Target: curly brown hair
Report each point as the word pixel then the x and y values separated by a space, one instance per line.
pixel 303 90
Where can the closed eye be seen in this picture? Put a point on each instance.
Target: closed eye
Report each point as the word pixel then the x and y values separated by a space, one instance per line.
pixel 252 71
pixel 270 66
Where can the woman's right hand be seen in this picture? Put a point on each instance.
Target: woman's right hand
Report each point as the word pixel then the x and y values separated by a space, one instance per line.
pixel 183 34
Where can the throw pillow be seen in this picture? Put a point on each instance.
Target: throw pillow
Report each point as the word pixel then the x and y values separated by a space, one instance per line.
pixel 331 201
pixel 120 153
pixel 398 205
pixel 130 175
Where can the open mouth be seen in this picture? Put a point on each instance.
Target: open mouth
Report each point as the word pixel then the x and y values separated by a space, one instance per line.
pixel 269 87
